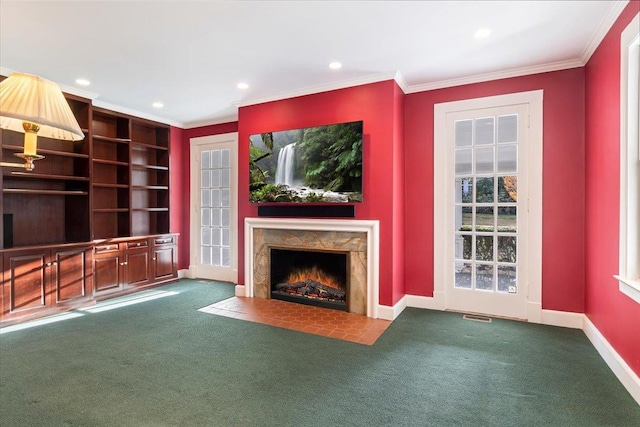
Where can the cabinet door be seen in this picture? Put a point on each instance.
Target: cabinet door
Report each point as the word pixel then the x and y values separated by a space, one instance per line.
pixel 107 264
pixel 73 280
pixel 25 285
pixel 164 262
pixel 137 263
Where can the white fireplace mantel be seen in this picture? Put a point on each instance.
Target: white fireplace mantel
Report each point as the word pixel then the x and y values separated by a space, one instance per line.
pixel 370 227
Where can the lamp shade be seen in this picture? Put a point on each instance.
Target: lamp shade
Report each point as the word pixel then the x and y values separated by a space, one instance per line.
pixel 29 98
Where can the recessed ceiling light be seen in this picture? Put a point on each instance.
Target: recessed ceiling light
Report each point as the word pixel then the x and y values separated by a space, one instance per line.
pixel 83 82
pixel 482 33
pixel 243 86
pixel 335 65
pixel 158 105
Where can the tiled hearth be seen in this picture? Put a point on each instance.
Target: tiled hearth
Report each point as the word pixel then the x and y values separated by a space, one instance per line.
pixel 303 318
pixel 359 239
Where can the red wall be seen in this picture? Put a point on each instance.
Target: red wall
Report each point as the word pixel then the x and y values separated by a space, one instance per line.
pixel 375 104
pixel 179 180
pixel 563 182
pixel 615 315
pixel 399 196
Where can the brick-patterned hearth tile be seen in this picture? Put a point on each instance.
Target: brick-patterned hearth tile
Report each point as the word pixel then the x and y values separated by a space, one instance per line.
pixel 303 318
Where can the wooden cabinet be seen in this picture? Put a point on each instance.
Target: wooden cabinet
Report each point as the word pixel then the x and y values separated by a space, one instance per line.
pixel 108 267
pixel 42 281
pixel 123 265
pixel 164 257
pixel 108 193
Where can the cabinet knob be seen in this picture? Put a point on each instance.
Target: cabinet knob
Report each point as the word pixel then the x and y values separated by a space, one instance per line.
pixel 122 263
pixel 48 264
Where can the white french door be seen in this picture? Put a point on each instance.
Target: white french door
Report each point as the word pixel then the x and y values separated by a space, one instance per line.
pixel 485 222
pixel 214 207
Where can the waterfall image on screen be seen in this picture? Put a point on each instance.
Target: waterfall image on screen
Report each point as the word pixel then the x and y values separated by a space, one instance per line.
pixel 320 164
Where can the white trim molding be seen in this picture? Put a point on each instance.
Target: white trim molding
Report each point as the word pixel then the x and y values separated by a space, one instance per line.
pixel 616 363
pixel 532 233
pixel 629 255
pixel 370 227
pixel 564 319
pixel 497 75
pixel 222 141
pixel 630 288
pixel 358 81
pixel 601 31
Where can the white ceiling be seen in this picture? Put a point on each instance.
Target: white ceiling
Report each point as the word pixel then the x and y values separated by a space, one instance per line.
pixel 190 55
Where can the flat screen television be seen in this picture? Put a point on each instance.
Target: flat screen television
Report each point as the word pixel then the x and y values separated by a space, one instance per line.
pixel 321 164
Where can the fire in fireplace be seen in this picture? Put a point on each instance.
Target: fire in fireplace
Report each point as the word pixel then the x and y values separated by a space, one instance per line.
pixel 309 277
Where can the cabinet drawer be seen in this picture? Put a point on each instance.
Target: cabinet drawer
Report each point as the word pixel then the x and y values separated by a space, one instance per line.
pixel 113 247
pixel 138 244
pixel 164 240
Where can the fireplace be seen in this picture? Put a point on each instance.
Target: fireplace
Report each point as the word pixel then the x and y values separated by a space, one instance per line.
pixel 310 277
pixel 355 240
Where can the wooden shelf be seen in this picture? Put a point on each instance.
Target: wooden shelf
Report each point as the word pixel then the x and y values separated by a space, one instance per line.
pixel 111 139
pixel 44 192
pixel 32 175
pixel 150 167
pixel 150 187
pixel 49 152
pixel 107 185
pixel 110 162
pixel 150 209
pixel 110 210
pixel 144 145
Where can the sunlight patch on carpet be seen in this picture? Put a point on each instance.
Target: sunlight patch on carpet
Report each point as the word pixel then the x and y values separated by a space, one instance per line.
pixel 128 300
pixel 40 322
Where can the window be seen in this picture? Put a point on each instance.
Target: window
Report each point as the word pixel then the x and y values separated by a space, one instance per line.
pixel 629 275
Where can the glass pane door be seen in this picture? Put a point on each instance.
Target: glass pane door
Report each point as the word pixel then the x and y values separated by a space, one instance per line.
pixel 486 204
pixel 215 199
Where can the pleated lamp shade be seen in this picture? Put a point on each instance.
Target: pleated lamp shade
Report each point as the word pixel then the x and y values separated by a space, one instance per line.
pixel 29 98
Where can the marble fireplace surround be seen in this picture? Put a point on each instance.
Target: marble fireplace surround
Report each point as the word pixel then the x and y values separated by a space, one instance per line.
pixel 360 239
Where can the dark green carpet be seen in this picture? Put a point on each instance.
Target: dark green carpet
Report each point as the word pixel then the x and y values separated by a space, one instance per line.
pixel 162 363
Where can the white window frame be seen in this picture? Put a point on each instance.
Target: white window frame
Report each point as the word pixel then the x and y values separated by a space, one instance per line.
pixel 629 272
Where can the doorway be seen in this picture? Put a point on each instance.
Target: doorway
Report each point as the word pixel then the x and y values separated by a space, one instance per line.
pixel 488 181
pixel 214 195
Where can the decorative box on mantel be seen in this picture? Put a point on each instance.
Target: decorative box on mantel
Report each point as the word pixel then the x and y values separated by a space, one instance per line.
pixel 358 239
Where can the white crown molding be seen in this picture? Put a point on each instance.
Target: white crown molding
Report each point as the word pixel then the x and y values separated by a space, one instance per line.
pixel 117 108
pixel 399 78
pixel 601 31
pixel 479 78
pixel 373 78
pixel 212 122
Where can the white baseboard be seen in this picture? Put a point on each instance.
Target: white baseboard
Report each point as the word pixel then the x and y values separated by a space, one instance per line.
pixel 240 291
pixel 190 273
pixel 565 319
pixel 436 302
pixel 534 312
pixel 390 313
pixel 184 273
pixel 432 303
pixel 625 374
